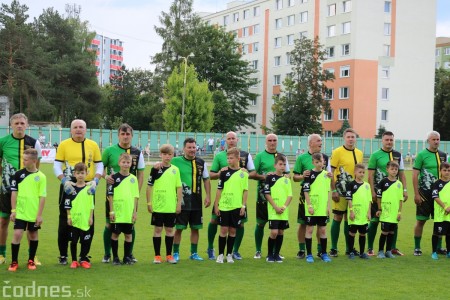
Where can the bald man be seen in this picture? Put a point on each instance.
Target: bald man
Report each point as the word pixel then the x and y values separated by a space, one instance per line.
pixel 70 152
pixel 264 164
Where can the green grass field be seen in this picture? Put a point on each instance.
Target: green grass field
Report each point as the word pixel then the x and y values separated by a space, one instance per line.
pixel 406 277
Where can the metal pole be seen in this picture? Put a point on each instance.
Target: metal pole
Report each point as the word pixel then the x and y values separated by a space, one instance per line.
pixel 184 95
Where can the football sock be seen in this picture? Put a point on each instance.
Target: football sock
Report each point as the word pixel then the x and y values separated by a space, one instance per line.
pixel 270 245
pixel 335 229
pixel 176 248
pixel 417 242
pixel 33 249
pixel 73 250
pixel 394 238
pixel 193 248
pixel 439 245
pixel 133 236
pixel 362 243
pixel 239 237
pixel 346 227
pixel 319 248
pixel 381 242
pixel 3 250
pixel 212 230
pixel 278 244
pixel 169 243
pixel 127 248
pixel 157 245
pixel 323 243
pixel 222 244
pixel 14 251
pixel 308 242
pixel 351 242
pixel 434 243
pixel 302 246
pixel 115 248
pixel 107 241
pixel 371 234
pixel 389 239
pixel 259 235
pixel 230 244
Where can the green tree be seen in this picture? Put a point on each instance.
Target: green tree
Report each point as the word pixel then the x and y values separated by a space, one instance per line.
pixel 298 111
pixel 381 130
pixel 344 126
pixel 441 120
pixel 199 106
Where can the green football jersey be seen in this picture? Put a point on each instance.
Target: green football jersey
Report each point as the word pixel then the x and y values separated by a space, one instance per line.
pixel 378 162
pixel 361 197
pixel 80 203
pixel 220 161
pixel 233 183
pixel 124 191
pixel 441 190
pixel 165 182
pixel 279 188
pixel 391 194
pixel 30 186
pixel 428 163
pixel 318 187
pixel 265 163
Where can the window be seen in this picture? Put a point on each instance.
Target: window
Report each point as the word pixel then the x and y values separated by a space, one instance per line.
pixel 303 1
pixel 235 17
pixel 384 115
pixel 343 114
pixel 245 49
pixel 246 14
pixel 291 20
pixel 290 39
pixel 252 118
pixel 330 70
pixel 277 61
pixel 331 30
pixel 256 29
pixel 276 79
pixel 245 31
pixel 288 58
pixel 253 102
pixel 387 6
pixel 278 23
pixel 328 133
pixel 328 115
pixel 436 65
pixel 346 28
pixel 329 94
pixel 255 64
pixel 304 17
pixel 291 2
pixel 385 93
pixel 346 6
pixel 345 71
pixel 386 50
pixel 278 4
pixel 330 52
pixel 256 11
pixel 345 49
pixel 256 47
pixel 438 52
pixel 277 42
pixel 385 72
pixel 344 92
pixel 225 20
pixel 447 51
pixel 387 28
pixel 332 10
pixel 303 34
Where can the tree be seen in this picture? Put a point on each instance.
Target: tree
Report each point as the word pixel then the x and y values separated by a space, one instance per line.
pixel 198 112
pixel 298 111
pixel 381 130
pixel 441 120
pixel 344 126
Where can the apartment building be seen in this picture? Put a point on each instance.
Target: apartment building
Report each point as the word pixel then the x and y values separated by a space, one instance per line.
pixel 109 57
pixel 381 53
pixel 443 53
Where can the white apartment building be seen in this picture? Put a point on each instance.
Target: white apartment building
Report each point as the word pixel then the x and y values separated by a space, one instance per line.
pixel 381 53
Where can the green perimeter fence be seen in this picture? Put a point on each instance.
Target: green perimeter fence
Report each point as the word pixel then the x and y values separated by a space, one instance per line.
pixel 253 143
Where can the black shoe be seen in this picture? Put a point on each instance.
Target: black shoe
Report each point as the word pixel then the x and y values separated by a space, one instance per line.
pixel 442 251
pixel 134 259
pixel 301 254
pixel 63 260
pixel 128 260
pixel 319 255
pixel 333 253
pixel 354 251
pixel 116 261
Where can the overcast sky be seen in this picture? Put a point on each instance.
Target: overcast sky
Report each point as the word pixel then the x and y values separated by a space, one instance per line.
pixel 133 21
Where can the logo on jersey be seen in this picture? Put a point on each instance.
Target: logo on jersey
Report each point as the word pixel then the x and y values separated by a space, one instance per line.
pixel 398 185
pixel 132 180
pixel 306 186
pixel 348 193
pixel 266 186
pixel 366 186
pixel 313 176
pixel 227 174
pixel 37 178
pixel 286 181
pixel 160 171
pixel 174 171
pixel 242 175
pixel 118 180
pixel 274 179
pixel 386 184
pixel 435 192
pixel 22 176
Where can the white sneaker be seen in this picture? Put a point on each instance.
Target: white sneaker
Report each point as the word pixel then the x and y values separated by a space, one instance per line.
pixel 230 259
pixel 219 259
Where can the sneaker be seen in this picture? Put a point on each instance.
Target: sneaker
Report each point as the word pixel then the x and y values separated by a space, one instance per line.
pixel 442 251
pixel 63 260
pixel 389 254
pixel 270 259
pixel 176 256
pixel 281 256
pixel 2 260
pixel 351 255
pixel 301 254
pixel 354 251
pixel 381 254
pixel 230 259
pixel 74 264
pixel 195 256
pixel 85 264
pixel 237 256
pixel 157 259
pixel 170 259
pixel 13 266
pixel 371 252
pixel 219 259
pixel 333 253
pixel 364 256
pixel 31 265
pixel 134 259
pixel 116 261
pixel 417 252
pixel 257 255
pixel 278 258
pixel 211 254
pixel 128 260
pixel 325 258
pixel 319 255
pixel 37 262
pixel 106 259
pixel 397 252
pixel 434 256
pixel 309 258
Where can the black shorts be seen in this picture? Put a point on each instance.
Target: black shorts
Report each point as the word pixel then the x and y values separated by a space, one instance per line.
pixel 441 228
pixel 262 215
pixel 319 221
pixel 24 225
pixel 301 219
pixel 230 218
pixel 5 203
pixel 362 229
pixel 339 212
pixel 78 235
pixel 163 219
pixel 278 224
pixel 387 227
pixel 426 208
pixel 125 228
pixel 192 217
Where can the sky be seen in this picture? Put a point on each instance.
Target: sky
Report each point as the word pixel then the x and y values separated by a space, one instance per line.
pixel 133 21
